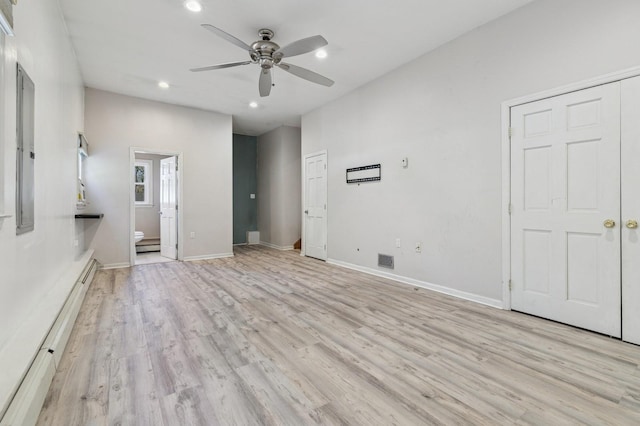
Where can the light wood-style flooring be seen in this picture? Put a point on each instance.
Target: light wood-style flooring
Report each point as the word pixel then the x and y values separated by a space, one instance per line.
pixel 270 337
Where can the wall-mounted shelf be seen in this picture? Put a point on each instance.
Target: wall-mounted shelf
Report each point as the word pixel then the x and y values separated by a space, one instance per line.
pixel 90 216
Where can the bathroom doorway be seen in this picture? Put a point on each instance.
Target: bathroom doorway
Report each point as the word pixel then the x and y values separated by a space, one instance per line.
pixel 155 206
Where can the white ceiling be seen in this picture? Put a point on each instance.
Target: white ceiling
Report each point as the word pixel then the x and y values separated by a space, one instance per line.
pixel 127 46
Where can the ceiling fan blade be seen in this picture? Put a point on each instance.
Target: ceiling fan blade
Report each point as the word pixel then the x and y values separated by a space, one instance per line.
pixel 264 85
pixel 220 66
pixel 225 35
pixel 313 77
pixel 305 45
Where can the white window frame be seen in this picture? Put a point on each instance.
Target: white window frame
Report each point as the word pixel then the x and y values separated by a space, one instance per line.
pixel 148 183
pixel 83 153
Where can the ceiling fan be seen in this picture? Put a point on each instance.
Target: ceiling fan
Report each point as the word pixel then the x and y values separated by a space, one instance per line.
pixel 268 54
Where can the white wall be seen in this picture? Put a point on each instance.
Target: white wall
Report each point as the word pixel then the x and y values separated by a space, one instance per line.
pixel 442 111
pixel 147 217
pixel 279 196
pixel 33 265
pixel 114 123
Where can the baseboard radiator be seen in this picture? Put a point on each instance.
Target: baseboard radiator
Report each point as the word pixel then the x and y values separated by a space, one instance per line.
pixel 27 402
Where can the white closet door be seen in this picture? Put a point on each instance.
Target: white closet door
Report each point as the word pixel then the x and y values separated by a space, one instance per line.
pixel 315 206
pixel 630 210
pixel 565 166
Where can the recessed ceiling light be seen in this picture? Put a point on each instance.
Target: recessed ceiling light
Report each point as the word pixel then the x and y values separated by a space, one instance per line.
pixel 321 54
pixel 163 85
pixel 253 104
pixel 193 5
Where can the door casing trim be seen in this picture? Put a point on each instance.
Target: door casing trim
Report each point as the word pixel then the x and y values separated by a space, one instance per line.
pixel 506 158
pixel 132 207
pixel 304 199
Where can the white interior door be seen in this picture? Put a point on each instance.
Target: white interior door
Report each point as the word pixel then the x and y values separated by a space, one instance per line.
pixel 315 206
pixel 565 168
pixel 168 208
pixel 630 172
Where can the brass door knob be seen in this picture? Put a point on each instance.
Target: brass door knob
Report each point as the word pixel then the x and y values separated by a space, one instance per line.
pixel 609 223
pixel 632 224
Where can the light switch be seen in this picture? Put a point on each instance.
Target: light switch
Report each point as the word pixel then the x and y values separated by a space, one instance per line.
pixel 405 162
pixel 252 196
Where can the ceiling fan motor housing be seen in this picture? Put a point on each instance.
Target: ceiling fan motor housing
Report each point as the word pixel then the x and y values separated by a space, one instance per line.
pixel 263 50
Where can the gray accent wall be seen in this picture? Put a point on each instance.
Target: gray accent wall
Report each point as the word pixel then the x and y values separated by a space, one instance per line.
pixel 279 187
pixel 245 183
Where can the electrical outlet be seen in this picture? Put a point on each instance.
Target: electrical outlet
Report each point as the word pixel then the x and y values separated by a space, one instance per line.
pixel 397 242
pixel 418 247
pixel 192 234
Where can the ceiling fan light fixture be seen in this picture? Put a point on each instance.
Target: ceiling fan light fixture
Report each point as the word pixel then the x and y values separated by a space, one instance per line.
pixel 321 54
pixel 193 6
pixel 269 55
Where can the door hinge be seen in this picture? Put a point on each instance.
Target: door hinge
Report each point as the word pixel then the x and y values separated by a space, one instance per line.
pixel 176 167
pixel 510 285
pixel 510 132
pixel 325 206
pixel 510 208
pixel 325 247
pixel 176 246
pixel 176 207
pixel 325 167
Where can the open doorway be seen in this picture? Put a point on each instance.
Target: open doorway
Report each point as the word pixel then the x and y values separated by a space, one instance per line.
pixel 155 199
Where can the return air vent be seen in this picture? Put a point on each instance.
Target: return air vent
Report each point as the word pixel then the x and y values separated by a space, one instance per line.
pixel 385 261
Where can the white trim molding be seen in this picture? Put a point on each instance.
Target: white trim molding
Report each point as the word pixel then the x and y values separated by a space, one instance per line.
pixel 506 158
pixel 494 303
pixel 132 206
pixel 273 246
pixel 208 257
pixel 4 25
pixel 116 265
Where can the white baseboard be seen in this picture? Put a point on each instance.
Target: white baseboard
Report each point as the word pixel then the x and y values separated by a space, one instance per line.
pixel 116 265
pixel 208 257
pixel 273 246
pixel 494 303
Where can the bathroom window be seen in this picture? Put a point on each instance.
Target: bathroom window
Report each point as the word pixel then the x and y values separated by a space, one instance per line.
pixel 143 176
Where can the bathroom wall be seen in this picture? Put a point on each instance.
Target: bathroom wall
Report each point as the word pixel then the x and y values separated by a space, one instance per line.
pixel 148 217
pixel 116 123
pixel 245 208
pixel 279 187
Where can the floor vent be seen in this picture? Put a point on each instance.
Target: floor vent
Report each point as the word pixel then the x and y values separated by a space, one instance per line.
pixel 385 261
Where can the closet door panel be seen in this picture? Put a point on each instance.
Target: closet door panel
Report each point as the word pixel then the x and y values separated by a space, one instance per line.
pixel 630 172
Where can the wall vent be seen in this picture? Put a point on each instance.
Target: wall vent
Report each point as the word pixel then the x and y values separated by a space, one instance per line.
pixel 253 237
pixel 385 261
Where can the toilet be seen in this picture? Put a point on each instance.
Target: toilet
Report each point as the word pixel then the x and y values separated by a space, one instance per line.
pixel 138 235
